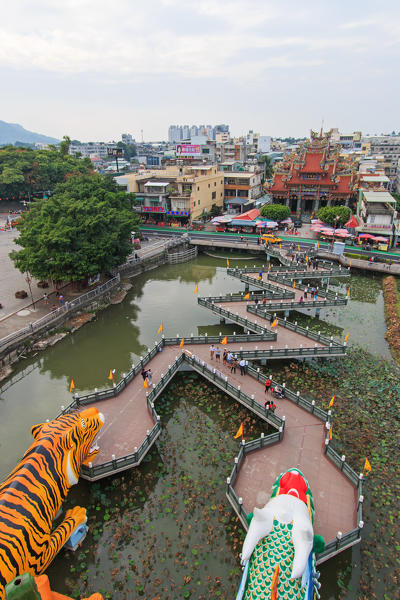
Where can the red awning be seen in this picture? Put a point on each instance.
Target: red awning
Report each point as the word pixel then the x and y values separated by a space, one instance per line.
pixel 250 215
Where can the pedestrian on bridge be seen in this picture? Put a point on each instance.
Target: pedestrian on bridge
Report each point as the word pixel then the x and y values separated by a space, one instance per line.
pixel 212 350
pixel 149 377
pixel 242 366
pixel 217 354
pixel 268 384
pixel 224 355
pixel 234 365
pixel 143 373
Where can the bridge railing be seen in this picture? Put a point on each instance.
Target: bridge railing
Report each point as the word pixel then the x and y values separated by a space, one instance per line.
pixel 222 382
pixel 286 305
pixel 217 339
pixel 236 318
pixel 245 448
pixel 58 315
pixel 317 337
pixel 263 284
pixel 294 397
pixel 280 278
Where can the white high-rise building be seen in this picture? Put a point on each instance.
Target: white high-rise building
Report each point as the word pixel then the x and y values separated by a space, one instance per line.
pixel 186 132
pixel 194 130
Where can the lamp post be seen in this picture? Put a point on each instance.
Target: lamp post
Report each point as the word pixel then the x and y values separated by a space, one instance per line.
pixel 334 231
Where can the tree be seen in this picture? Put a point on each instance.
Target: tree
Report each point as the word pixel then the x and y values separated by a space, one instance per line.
pixel 129 150
pixel 25 171
pixel 328 214
pixel 397 198
pixel 275 212
pixel 64 146
pixel 268 164
pixel 84 228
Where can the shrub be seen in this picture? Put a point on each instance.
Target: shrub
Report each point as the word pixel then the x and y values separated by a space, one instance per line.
pixel 275 212
pixel 328 214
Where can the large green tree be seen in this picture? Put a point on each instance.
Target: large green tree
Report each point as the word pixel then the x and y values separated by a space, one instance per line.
pixel 329 214
pixel 275 212
pixel 24 171
pixel 84 228
pixel 268 165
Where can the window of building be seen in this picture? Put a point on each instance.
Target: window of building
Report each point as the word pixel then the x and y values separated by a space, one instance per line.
pixel 198 188
pixel 213 195
pixel 208 185
pixel 215 184
pixel 198 202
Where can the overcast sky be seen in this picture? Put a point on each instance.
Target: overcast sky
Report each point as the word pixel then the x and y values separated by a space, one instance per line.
pixel 94 69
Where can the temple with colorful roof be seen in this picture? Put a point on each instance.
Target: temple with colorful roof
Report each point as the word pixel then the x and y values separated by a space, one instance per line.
pixel 314 175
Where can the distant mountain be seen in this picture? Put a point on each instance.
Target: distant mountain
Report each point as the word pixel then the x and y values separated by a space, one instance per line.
pixel 12 132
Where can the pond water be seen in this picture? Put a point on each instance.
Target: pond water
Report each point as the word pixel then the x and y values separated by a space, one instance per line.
pixel 129 513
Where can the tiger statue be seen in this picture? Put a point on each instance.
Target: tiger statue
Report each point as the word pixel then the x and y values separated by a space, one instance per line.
pixel 32 495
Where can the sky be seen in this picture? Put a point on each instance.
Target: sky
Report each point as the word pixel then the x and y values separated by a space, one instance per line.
pixel 95 69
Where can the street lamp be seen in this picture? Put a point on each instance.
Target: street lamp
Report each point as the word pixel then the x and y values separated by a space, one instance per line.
pixel 334 231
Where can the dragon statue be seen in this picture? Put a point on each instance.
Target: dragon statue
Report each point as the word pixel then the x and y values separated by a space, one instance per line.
pixel 278 551
pixel 33 493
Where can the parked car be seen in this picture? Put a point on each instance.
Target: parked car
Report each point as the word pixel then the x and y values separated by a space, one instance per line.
pixel 220 227
pixel 270 239
pixel 297 223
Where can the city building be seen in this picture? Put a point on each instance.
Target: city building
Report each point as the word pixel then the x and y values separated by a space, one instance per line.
pixel 314 175
pixel 127 138
pixel 99 149
pixel 346 140
pixel 389 147
pixel 376 214
pixel 241 190
pixel 175 194
pixel 177 133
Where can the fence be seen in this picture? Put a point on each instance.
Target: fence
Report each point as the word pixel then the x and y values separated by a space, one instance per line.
pixel 317 337
pixel 181 257
pixel 57 316
pixel 236 318
pixel 275 290
pixel 280 305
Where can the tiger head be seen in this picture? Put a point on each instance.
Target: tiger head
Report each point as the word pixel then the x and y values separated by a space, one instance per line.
pixel 70 437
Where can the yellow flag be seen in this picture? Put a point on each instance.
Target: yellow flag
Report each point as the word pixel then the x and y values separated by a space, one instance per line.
pixel 332 401
pixel 227 262
pixel 347 337
pixel 161 328
pixel 269 266
pixel 145 384
pixel 72 386
pixel 330 432
pixel 182 342
pixel 298 247
pixel 294 284
pixel 351 262
pixel 275 323
pixel 348 292
pixel 274 584
pixel 239 432
pixel 247 296
pixel 318 245
pixel 367 466
pixel 196 289
pixel 224 341
pixel 111 374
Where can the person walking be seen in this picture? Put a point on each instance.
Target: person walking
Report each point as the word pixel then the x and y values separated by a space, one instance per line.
pixel 46 299
pixel 217 354
pixel 268 384
pixel 242 365
pixel 301 300
pixel 149 377
pixel 212 350
pixel 143 373
pixel 271 319
pixel 234 365
pixel 267 404
pixel 264 301
pixel 229 358
pixel 305 292
pixel 224 355
pixel 61 299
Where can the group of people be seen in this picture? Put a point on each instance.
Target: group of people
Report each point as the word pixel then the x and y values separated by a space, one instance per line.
pixel 277 392
pixel 313 293
pixel 228 359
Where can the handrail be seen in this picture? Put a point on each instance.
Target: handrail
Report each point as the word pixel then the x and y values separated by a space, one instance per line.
pixel 236 318
pixel 279 278
pixel 292 396
pixel 263 313
pixel 58 314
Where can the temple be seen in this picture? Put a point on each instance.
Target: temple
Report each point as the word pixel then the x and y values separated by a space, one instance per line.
pixel 314 175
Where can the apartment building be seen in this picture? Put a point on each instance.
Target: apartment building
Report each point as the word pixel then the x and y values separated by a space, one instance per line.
pixel 389 147
pixel 376 214
pixel 176 194
pixel 91 148
pixel 241 189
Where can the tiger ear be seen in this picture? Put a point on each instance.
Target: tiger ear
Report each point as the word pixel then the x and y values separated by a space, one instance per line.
pixel 36 429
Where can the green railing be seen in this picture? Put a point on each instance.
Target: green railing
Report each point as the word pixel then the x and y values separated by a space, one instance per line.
pixel 292 396
pixel 221 381
pixel 275 290
pixel 217 339
pixel 306 304
pixel 236 318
